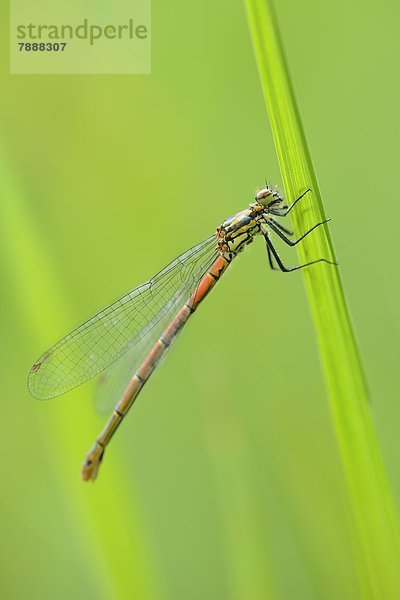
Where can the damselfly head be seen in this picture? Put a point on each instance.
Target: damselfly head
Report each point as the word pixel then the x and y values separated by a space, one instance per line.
pixel 268 195
pixel 264 195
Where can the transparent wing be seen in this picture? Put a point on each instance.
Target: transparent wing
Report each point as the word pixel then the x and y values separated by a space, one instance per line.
pixel 113 380
pixel 108 335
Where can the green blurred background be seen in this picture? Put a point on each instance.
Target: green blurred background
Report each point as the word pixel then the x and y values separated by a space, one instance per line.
pixel 225 481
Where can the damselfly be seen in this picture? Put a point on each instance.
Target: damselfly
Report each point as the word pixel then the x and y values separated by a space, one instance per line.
pixel 149 318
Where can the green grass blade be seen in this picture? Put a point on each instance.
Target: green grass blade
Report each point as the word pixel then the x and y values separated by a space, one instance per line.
pixel 374 517
pixel 104 522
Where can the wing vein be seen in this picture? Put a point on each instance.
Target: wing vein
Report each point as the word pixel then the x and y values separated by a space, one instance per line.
pixel 105 337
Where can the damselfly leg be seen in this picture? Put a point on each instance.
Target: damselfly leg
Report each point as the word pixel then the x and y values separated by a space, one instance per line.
pixel 272 251
pixel 280 231
pixel 283 211
pixel 281 227
pixel 275 227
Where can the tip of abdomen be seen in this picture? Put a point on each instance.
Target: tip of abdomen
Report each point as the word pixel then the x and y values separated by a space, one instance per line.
pixel 92 462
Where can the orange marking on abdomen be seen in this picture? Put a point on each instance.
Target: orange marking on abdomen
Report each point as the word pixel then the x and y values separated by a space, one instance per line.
pixel 129 395
pixel 151 360
pixel 208 281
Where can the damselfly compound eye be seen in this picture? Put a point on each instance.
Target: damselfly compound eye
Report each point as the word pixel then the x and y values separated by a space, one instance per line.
pixel 264 193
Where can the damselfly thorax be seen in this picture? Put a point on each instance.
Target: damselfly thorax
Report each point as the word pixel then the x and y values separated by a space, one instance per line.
pixel 238 231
